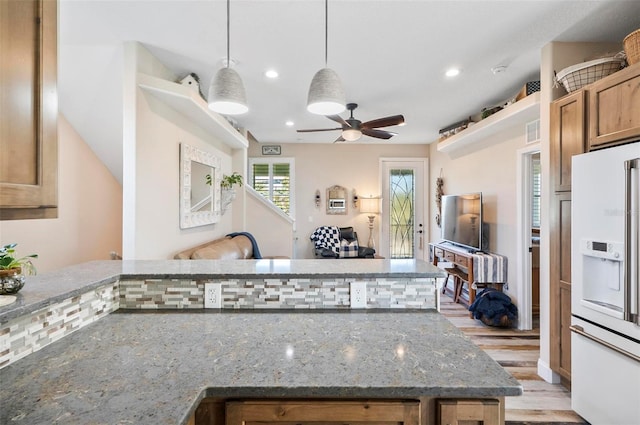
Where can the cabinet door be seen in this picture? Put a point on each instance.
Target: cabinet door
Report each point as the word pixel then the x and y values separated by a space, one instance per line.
pixel 614 108
pixel 567 137
pixel 325 412
pixel 28 101
pixel 560 303
pixel 469 412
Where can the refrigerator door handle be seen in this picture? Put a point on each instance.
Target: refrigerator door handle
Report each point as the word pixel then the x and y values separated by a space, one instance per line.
pixel 580 331
pixel 631 290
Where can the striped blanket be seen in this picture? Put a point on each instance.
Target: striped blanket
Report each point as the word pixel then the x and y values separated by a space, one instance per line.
pixel 489 268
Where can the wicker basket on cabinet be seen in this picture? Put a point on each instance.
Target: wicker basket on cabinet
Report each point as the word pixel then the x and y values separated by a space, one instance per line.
pixel 632 47
pixel 577 76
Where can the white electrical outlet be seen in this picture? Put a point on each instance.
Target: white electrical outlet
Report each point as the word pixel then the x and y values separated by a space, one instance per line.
pixel 212 295
pixel 358 294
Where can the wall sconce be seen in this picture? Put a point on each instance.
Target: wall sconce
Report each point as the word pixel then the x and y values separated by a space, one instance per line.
pixel 355 199
pixel 317 199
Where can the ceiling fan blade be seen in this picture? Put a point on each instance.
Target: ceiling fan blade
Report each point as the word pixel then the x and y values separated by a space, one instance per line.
pixel 384 122
pixel 319 129
pixel 338 119
pixel 380 134
pixel 339 139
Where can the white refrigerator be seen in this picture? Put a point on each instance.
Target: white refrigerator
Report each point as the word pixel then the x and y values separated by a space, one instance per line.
pixel 605 304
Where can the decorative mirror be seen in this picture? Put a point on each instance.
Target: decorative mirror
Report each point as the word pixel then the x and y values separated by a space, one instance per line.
pixel 336 200
pixel 199 194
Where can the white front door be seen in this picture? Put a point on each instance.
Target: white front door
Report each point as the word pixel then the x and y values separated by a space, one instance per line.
pixel 404 193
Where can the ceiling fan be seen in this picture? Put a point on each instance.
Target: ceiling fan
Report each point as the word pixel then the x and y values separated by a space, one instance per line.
pixel 353 129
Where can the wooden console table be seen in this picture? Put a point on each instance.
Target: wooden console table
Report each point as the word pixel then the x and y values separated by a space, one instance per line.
pixel 474 269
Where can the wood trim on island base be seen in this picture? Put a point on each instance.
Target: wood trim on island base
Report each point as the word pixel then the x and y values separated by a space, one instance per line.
pixel 425 411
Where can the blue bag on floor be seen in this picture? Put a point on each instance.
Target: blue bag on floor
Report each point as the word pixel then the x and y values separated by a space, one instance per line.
pixel 494 308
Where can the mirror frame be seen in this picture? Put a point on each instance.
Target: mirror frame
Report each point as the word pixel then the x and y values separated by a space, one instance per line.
pixel 333 204
pixel 188 155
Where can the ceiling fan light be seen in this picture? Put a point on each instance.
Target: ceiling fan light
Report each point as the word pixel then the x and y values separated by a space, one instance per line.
pixel 351 134
pixel 326 96
pixel 226 93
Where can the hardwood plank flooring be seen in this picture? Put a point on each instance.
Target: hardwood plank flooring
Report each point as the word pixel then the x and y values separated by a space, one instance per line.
pixel 518 352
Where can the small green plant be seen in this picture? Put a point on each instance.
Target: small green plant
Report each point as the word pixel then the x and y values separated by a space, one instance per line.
pixel 227 182
pixel 8 260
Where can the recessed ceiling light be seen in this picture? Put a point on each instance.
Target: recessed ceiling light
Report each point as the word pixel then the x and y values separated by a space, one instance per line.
pixel 452 72
pixel 289 123
pixel 271 73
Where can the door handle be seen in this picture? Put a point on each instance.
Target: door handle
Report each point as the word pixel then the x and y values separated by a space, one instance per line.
pixel 630 260
pixel 580 331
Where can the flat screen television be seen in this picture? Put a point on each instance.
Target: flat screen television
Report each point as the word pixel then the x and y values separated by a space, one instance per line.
pixel 462 220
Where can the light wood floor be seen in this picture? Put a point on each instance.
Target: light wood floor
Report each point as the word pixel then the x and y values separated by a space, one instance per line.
pixel 518 352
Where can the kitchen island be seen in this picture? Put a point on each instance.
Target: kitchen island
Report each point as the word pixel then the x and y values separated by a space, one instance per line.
pixel 157 366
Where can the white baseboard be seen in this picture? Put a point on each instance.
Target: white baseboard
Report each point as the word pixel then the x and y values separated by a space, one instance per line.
pixel 545 372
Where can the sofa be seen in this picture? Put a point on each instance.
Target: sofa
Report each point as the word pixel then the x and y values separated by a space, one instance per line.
pixel 235 246
pixel 338 242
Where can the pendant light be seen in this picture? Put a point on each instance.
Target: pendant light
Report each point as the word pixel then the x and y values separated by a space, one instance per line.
pixel 326 96
pixel 226 92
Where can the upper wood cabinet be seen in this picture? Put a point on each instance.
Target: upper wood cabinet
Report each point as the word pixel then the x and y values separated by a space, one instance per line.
pixel 614 108
pixel 567 137
pixel 29 105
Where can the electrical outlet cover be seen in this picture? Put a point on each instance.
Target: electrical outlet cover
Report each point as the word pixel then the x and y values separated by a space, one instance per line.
pixel 358 294
pixel 212 295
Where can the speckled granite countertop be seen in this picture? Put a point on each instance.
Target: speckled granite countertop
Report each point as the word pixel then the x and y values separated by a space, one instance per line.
pixel 154 368
pixel 48 288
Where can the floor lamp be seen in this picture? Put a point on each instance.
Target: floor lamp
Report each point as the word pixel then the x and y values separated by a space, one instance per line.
pixel 370 206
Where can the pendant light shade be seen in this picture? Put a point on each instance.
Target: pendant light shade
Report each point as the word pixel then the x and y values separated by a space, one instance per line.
pixel 326 96
pixel 226 93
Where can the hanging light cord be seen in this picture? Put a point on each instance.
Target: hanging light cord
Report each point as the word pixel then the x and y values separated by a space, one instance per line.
pixel 326 31
pixel 228 37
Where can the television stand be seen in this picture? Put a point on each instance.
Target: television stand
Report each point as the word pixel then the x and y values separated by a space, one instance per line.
pixel 464 272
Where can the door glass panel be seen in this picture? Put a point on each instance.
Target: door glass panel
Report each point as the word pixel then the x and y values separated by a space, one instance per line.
pixel 401 213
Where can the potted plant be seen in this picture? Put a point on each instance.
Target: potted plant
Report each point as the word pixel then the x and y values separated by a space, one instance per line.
pixel 228 193
pixel 13 269
pixel 228 181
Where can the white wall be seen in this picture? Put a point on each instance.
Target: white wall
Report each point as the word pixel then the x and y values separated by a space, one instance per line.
pixel 320 166
pixel 89 220
pixel 153 133
pixel 273 233
pixel 492 171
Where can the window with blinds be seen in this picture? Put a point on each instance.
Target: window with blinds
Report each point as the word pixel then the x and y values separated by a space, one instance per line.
pixel 273 179
pixel 535 191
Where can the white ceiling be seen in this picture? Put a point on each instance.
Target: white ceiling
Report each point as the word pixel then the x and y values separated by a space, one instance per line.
pixel 390 55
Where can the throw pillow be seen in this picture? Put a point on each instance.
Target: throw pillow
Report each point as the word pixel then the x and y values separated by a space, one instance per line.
pixel 347 233
pixel 348 249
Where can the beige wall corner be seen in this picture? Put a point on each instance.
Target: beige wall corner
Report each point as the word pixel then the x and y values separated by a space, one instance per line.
pixel 89 223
